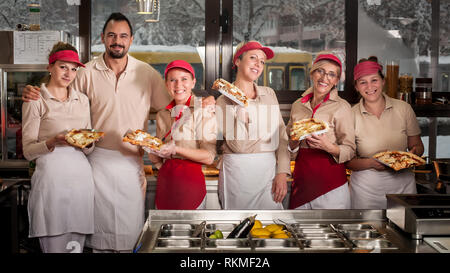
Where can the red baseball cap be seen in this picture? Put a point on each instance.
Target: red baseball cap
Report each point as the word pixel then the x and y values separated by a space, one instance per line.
pixel 65 55
pixel 250 46
pixel 329 57
pixel 179 64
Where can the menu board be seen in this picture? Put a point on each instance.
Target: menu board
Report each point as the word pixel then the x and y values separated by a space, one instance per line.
pixel 33 47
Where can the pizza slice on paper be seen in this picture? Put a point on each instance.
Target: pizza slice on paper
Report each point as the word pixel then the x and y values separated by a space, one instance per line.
pixel 142 138
pixel 231 91
pixel 306 127
pixel 82 137
pixel 399 160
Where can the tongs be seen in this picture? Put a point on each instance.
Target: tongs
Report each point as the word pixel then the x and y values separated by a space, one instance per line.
pixel 198 230
pixel 291 229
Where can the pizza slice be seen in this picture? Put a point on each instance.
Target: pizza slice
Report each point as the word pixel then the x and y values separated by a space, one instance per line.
pixel 305 127
pixel 82 137
pixel 398 160
pixel 231 91
pixel 142 138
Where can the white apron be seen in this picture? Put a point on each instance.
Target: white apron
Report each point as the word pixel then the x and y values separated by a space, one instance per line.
pixel 119 202
pixel 368 188
pixel 245 181
pixel 62 194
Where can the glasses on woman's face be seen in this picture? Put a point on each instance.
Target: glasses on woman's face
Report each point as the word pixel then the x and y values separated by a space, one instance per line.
pixel 330 75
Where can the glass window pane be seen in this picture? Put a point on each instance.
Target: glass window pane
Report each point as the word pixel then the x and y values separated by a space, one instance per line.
pixel 54 15
pixel 295 29
pixel 179 34
pixel 276 77
pixel 443 138
pixel 444 47
pixel 396 30
pixel 16 81
pixel 297 79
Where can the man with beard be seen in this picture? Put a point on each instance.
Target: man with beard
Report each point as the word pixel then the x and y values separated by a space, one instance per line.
pixel 121 91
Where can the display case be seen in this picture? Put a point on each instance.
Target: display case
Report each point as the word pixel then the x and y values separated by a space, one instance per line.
pixel 13 79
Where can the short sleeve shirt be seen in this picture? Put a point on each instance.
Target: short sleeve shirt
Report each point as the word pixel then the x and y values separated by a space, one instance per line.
pixel 46 117
pixel 199 131
pixel 337 113
pixel 119 105
pixel 390 132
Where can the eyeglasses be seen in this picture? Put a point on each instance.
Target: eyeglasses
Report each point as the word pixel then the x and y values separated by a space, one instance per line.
pixel 330 75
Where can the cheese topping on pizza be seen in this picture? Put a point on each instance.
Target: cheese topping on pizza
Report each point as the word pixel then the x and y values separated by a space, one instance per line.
pixel 398 160
pixel 143 138
pixel 302 128
pixel 221 84
pixel 82 137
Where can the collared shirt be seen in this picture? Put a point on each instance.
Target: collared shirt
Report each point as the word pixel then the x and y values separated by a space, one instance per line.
pixel 389 132
pixel 337 113
pixel 46 117
pixel 263 131
pixel 197 130
pixel 119 105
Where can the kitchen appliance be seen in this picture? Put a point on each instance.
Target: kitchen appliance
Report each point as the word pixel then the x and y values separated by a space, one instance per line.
pixel 420 214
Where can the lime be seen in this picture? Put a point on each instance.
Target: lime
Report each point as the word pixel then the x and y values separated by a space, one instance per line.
pixel 218 234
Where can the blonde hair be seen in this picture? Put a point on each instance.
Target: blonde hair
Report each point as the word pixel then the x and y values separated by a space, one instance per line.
pixel 322 63
pixel 241 44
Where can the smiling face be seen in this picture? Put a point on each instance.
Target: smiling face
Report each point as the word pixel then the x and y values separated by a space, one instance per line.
pixel 325 78
pixel 179 83
pixel 370 87
pixel 117 39
pixel 62 73
pixel 251 65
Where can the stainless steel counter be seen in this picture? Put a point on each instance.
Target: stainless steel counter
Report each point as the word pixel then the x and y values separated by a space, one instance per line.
pixel 348 231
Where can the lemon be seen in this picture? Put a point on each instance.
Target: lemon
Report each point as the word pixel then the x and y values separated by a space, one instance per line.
pixel 257 224
pixel 273 227
pixel 280 236
pixel 279 231
pixel 263 237
pixel 260 232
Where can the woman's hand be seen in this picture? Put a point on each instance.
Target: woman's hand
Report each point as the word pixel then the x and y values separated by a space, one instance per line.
pixel 30 93
pixel 377 165
pixel 58 140
pixel 323 143
pixel 293 144
pixel 166 151
pixel 279 187
pixel 209 103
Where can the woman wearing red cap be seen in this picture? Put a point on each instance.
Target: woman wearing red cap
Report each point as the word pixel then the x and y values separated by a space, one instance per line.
pixel 61 202
pixel 255 159
pixel 190 135
pixel 320 180
pixel 381 123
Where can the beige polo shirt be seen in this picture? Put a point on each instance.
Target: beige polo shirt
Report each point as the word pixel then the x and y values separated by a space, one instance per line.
pixel 198 131
pixel 390 132
pixel 46 117
pixel 263 131
pixel 337 113
pixel 119 105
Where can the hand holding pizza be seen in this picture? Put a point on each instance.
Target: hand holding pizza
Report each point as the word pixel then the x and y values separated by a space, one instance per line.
pixel 167 150
pixel 58 140
pixel 377 165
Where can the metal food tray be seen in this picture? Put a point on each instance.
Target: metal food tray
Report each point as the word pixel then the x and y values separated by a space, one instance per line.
pixel 306 237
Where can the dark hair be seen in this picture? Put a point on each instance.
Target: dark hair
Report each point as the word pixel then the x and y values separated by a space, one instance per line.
pixel 59 46
pixel 117 16
pixel 373 59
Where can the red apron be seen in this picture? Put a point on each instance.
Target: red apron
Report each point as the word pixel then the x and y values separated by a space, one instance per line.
pixel 315 173
pixel 181 185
